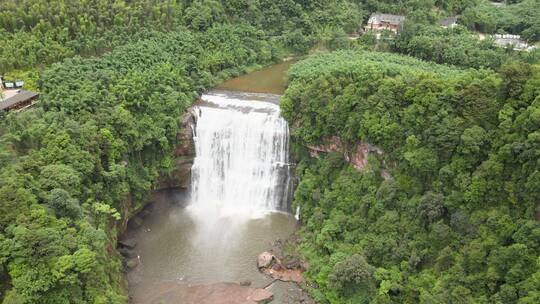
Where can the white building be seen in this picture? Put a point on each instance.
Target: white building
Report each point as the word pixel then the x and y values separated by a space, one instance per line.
pixel 514 41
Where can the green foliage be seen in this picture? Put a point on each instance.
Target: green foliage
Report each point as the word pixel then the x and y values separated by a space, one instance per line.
pixel 516 18
pixel 90 151
pixel 446 213
pixel 455 46
pixel 351 273
pixel 37 33
pixel 63 204
pixel 451 224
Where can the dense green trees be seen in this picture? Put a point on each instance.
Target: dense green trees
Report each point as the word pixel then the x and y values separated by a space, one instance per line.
pixel 447 213
pixel 35 32
pixel 90 152
pixel 453 222
pixel 455 46
pixel 518 17
pixel 40 32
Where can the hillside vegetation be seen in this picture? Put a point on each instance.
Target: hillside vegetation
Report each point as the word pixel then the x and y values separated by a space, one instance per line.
pixel 78 164
pixel 514 16
pixel 36 32
pixel 89 154
pixel 455 222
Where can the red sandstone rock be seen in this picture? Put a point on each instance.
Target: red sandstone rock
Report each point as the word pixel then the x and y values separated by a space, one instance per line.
pixel 357 155
pixel 219 293
pixel 270 265
pixel 286 275
pixel 261 296
pixel 265 260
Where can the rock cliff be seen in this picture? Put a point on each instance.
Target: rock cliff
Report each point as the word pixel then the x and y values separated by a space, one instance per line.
pixel 184 155
pixel 356 155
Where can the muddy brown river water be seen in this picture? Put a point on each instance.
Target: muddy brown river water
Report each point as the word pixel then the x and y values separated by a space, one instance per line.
pixel 268 80
pixel 187 256
pixel 171 253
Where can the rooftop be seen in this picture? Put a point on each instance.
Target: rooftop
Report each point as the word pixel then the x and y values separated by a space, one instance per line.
pixel 449 21
pixel 388 18
pixel 18 96
pixel 512 40
pixel 9 93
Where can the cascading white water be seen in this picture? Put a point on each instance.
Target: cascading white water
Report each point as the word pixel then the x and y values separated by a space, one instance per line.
pixel 241 164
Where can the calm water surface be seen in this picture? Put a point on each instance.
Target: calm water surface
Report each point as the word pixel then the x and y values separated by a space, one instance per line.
pixel 268 80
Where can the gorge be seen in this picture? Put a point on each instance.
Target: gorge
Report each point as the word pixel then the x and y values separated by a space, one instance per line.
pixel 199 243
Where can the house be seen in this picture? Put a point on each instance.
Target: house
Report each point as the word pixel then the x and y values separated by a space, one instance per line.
pixel 13 97
pixel 17 99
pixel 449 22
pixel 378 22
pixel 514 41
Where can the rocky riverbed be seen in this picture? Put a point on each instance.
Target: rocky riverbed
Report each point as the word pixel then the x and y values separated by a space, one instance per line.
pixel 226 293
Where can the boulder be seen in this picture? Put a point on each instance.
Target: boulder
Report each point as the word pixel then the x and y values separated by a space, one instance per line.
pixel 145 212
pixel 286 275
pixel 245 283
pixel 265 260
pixel 135 222
pixel 261 296
pixel 277 267
pixel 270 265
pixel 128 253
pixel 132 263
pixel 293 264
pixel 128 243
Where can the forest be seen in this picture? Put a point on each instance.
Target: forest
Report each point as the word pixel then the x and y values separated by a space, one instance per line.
pixel 458 124
pixel 514 16
pixel 75 166
pixel 453 218
pixel 89 154
pixel 35 33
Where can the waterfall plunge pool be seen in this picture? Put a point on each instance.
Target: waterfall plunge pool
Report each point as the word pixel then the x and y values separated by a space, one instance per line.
pixel 172 254
pixel 236 208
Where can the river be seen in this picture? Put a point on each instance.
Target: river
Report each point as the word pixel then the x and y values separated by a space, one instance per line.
pixel 268 80
pixel 236 207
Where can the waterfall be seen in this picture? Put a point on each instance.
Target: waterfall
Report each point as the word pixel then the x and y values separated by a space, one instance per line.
pixel 241 164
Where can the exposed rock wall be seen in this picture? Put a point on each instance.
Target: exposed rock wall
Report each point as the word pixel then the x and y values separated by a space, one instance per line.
pixel 356 155
pixel 184 155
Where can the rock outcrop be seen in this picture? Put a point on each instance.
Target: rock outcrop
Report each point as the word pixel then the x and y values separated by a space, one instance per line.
pixel 356 155
pixel 265 260
pixel 219 293
pixel 184 154
pixel 270 265
pixel 260 296
pixel 130 243
pixel 132 263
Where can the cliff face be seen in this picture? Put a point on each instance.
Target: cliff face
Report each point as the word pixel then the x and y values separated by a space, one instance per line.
pixel 184 155
pixel 179 177
pixel 356 155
